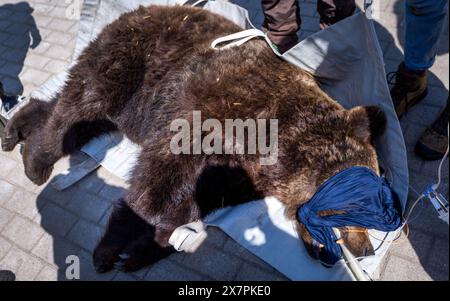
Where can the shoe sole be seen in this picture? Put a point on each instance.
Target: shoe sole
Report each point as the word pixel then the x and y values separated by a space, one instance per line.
pixel 427 153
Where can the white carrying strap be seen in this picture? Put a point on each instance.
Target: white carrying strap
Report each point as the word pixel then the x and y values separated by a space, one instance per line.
pixel 184 2
pixel 242 37
pixel 236 39
pixel 188 237
pixel 239 38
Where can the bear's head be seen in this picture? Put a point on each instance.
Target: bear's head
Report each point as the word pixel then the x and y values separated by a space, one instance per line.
pixel 344 139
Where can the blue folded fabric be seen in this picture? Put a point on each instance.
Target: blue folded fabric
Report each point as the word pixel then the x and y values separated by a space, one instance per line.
pixel 367 200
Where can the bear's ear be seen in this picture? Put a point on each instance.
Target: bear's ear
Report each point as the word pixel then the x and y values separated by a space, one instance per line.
pixel 367 123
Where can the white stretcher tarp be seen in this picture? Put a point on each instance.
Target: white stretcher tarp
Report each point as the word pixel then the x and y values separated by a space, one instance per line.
pixel 347 60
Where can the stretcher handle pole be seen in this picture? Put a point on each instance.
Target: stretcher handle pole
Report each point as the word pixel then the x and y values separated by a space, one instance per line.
pixel 351 261
pixel 368 8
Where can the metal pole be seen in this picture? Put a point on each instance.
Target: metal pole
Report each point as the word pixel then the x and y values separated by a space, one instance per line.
pixel 351 261
pixel 368 8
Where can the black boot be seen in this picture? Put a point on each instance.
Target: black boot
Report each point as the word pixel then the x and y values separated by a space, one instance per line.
pixel 409 87
pixel 7 102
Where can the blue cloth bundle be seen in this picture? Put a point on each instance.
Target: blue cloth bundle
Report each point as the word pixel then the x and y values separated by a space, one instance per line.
pixel 367 200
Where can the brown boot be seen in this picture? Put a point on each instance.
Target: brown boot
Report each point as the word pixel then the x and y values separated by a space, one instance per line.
pixel 409 87
pixel 333 11
pixel 281 22
pixel 434 142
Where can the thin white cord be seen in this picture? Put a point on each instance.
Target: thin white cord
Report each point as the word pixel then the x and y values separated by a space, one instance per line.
pixel 421 208
pixel 411 219
pixel 436 186
pixel 411 209
pixel 407 219
pixel 420 196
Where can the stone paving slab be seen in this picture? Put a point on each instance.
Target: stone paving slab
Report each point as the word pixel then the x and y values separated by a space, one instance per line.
pixel 40 227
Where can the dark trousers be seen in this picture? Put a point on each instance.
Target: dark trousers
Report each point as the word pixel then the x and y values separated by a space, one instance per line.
pixel 282 18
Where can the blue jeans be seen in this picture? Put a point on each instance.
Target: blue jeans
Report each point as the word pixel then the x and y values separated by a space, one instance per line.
pixel 424 22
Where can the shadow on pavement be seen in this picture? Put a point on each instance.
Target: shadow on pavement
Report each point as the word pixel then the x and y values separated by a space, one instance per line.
pixel 74 220
pixel 18 33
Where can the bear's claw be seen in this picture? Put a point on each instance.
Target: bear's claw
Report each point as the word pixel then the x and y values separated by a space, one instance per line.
pixel 104 259
pixel 9 143
pixel 120 265
pixel 127 263
pixel 40 176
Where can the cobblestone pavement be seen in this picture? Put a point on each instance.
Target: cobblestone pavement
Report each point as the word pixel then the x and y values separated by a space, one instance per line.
pixel 40 226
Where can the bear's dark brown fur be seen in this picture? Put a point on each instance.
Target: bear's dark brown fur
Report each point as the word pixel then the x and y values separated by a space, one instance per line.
pixel 155 65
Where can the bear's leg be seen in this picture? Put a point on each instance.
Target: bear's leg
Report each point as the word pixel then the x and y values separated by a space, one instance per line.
pixel 124 226
pixel 162 194
pixel 142 251
pixel 128 243
pixel 55 140
pixel 78 115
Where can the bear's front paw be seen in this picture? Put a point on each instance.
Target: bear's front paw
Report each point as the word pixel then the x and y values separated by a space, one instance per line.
pixel 141 253
pixel 104 258
pixel 37 171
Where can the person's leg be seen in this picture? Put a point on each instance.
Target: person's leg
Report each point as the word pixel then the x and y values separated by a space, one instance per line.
pixel 282 21
pixel 332 11
pixel 424 20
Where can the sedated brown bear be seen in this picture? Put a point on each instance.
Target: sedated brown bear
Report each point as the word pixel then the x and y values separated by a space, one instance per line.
pixel 155 65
